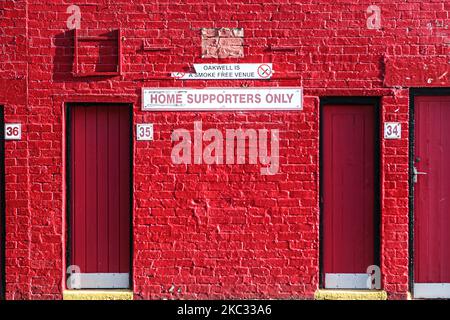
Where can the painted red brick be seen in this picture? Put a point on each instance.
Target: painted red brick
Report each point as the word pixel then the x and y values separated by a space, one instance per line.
pixel 217 231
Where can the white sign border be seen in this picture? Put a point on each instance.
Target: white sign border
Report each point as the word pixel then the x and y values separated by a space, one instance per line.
pixel 144 124
pixel 182 108
pixel 7 138
pixel 392 137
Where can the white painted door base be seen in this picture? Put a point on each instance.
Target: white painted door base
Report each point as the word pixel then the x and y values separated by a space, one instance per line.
pixel 432 290
pixel 100 280
pixel 347 280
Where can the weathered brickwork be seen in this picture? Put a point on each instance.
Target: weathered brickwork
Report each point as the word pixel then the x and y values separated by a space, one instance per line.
pixel 222 43
pixel 217 231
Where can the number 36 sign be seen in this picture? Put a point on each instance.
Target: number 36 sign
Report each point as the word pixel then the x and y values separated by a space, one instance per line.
pixel 13 131
pixel 392 130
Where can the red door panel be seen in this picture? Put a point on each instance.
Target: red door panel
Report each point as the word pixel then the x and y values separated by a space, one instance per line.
pixel 432 191
pixel 348 146
pixel 100 188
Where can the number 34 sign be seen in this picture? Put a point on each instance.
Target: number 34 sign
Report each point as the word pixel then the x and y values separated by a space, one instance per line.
pixel 13 131
pixel 392 130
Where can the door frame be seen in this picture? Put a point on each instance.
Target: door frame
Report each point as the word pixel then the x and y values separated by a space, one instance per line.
pixel 414 92
pixel 68 180
pixel 350 100
pixel 2 206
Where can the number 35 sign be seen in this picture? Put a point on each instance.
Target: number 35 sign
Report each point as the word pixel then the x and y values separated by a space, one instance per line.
pixel 392 130
pixel 13 131
pixel 144 132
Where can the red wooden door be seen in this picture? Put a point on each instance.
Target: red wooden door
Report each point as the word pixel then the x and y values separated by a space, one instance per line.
pixel 432 197
pixel 348 208
pixel 100 194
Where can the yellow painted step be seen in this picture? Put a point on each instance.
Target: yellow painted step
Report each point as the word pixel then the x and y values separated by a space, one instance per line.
pixel 324 294
pixel 97 295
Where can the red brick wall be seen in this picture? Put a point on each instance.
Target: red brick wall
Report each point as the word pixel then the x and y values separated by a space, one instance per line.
pixel 13 98
pixel 217 231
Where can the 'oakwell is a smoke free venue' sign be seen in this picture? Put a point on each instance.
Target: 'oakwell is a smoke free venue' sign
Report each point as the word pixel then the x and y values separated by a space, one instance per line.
pixel 227 71
pixel 171 99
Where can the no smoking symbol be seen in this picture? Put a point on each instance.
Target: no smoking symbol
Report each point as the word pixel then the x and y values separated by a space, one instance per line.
pixel 264 71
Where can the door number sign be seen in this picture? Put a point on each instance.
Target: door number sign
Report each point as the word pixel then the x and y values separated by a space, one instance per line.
pixel 13 131
pixel 144 132
pixel 392 130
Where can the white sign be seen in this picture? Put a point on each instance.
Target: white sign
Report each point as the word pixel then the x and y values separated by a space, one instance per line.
pixel 227 71
pixel 392 130
pixel 162 99
pixel 13 131
pixel 144 132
